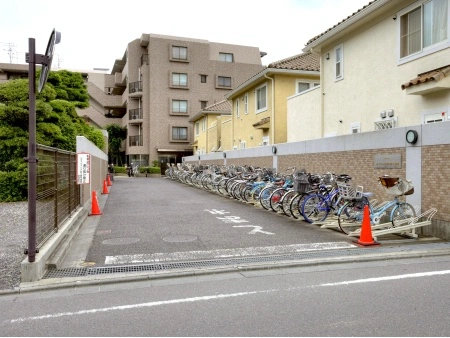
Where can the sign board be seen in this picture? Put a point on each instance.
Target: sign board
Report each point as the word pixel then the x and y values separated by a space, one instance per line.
pixel 388 161
pixel 83 168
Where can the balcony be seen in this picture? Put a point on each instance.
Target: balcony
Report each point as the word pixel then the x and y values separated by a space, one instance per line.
pixel 135 141
pixel 135 88
pixel 135 116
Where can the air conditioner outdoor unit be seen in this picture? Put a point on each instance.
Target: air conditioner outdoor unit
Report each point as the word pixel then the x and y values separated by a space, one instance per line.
pixel 133 90
pixel 134 117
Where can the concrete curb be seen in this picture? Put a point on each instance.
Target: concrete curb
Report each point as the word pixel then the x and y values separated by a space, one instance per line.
pixel 61 283
pixel 54 249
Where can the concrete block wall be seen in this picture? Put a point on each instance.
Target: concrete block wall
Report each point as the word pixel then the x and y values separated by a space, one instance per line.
pixel 426 163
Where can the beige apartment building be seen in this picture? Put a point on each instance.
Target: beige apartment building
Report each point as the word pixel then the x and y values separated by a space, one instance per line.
pixel 162 81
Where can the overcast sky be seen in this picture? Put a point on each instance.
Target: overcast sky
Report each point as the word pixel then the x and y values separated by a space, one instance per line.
pixel 94 33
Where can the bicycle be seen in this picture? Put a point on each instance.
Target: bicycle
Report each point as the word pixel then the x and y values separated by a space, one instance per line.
pixel 350 215
pixel 316 207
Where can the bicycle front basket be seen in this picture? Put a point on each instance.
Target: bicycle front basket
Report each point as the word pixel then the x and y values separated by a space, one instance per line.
pixel 301 183
pixel 402 187
pixel 350 192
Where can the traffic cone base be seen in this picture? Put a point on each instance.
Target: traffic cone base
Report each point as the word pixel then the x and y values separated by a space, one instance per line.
pixel 105 188
pixel 366 238
pixel 95 209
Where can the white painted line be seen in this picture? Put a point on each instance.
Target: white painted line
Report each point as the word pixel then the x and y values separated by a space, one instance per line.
pixel 380 279
pixel 137 306
pixel 225 253
pixel 213 297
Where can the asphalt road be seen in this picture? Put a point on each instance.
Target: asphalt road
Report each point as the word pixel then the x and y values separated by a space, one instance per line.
pixel 406 297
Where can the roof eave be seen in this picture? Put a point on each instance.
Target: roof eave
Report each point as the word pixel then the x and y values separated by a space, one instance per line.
pixel 268 71
pixel 313 46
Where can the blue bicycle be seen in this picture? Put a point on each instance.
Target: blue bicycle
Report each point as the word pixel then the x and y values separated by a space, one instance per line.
pixel 350 215
pixel 316 207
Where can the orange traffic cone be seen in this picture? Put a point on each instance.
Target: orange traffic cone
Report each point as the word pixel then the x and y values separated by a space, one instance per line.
pixel 95 209
pixel 108 180
pixel 105 188
pixel 366 230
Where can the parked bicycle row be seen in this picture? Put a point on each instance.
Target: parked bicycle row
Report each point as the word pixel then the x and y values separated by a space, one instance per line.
pixel 316 198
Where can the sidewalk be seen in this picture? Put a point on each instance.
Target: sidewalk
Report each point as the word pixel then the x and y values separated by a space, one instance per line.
pixel 157 228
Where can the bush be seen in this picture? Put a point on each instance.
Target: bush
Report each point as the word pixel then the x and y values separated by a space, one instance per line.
pixel 150 170
pixel 119 170
pixel 13 186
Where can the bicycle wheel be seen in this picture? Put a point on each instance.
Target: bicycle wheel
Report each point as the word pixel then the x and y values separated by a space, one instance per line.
pixel 254 196
pixel 264 197
pixel 350 216
pixel 221 187
pixel 296 204
pixel 401 212
pixel 275 198
pixel 247 193
pixel 315 208
pixel 286 202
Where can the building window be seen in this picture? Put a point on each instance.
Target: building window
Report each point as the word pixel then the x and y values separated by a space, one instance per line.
pixel 179 106
pixel 237 108
pixel 304 86
pixel 261 99
pixel 245 104
pixel 226 57
pixel 203 104
pixel 204 124
pixel 179 133
pixel 179 79
pixel 179 53
pixel 424 28
pixel 224 81
pixel 197 128
pixel 203 78
pixel 339 54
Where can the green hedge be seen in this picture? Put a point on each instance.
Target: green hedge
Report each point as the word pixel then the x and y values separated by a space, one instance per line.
pixel 142 170
pixel 150 170
pixel 13 186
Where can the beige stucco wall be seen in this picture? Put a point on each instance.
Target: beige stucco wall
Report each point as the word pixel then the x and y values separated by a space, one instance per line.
pixel 373 78
pixel 226 139
pixel 278 90
pixel 304 116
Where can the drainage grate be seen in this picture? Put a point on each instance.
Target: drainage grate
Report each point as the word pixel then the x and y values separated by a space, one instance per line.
pixel 101 270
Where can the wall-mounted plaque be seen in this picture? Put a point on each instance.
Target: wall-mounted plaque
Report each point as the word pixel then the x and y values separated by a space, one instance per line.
pixel 388 161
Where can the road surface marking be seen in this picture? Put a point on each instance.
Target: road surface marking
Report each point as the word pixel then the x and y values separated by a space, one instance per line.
pixel 225 253
pixel 380 279
pixel 214 297
pixel 137 306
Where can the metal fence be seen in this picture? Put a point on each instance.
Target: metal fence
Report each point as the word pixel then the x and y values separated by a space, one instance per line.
pixel 57 193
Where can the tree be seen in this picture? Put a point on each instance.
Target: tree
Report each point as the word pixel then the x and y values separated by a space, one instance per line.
pixel 116 135
pixel 57 123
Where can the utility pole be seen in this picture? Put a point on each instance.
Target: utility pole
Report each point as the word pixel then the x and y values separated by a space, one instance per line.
pixel 10 49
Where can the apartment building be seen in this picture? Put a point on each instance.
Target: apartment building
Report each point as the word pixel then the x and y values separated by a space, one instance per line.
pixel 160 83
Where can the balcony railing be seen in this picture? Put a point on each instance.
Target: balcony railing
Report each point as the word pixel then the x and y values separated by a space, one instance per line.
pixel 135 114
pixel 135 141
pixel 135 87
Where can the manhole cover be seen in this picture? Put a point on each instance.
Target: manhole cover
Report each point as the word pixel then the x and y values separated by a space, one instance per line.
pixel 119 241
pixel 180 238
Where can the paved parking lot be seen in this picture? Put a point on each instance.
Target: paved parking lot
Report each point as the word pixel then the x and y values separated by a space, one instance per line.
pixel 157 219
